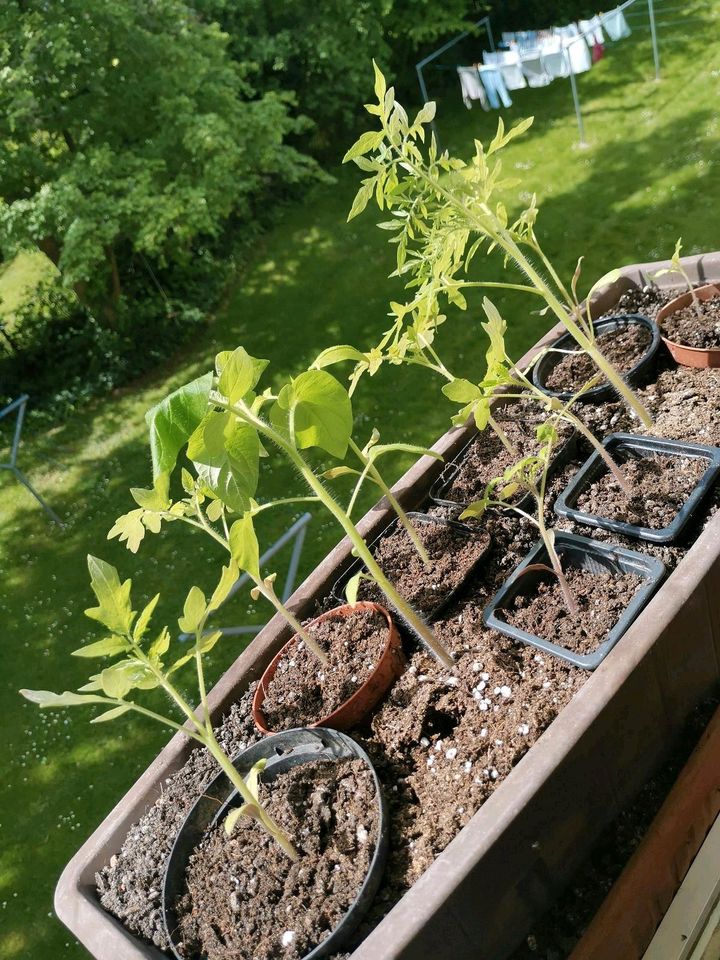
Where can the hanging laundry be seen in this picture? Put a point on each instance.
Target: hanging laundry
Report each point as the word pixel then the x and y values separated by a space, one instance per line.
pixel 508 62
pixel 591 30
pixel 535 72
pixel 472 88
pixel 615 24
pixel 557 65
pixel 492 80
pixel 598 52
pixel 578 54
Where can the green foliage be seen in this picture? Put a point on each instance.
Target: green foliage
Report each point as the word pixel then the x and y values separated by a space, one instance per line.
pixel 315 410
pixel 173 421
pixel 100 155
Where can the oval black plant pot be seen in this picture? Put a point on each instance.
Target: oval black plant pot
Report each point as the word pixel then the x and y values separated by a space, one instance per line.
pixel 282 751
pixel 623 446
pixel 636 376
pixel 440 491
pixel 589 555
pixel 338 589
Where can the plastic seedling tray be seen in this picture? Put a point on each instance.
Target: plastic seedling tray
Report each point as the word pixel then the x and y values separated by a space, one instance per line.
pixel 636 376
pixel 588 555
pixel 623 446
pixel 281 751
pixel 338 590
pixel 440 492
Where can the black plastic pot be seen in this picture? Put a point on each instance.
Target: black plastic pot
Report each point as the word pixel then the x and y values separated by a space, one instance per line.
pixel 622 447
pixel 636 376
pixel 440 490
pixel 587 555
pixel 282 751
pixel 338 590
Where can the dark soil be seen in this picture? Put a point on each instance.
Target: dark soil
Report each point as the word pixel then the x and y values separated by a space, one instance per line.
pixel 660 486
pixel 452 552
pixel 623 348
pixel 304 690
pixel 601 600
pixel 247 901
pixel 487 458
pixel 695 329
pixel 441 742
pixel 557 933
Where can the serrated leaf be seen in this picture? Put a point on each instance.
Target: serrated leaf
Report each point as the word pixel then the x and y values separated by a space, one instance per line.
pixel 322 412
pixel 172 421
pixel 380 85
pixel 188 483
pixel 111 714
pixel 48 699
pixel 461 391
pixel 194 610
pixel 155 499
pixel 362 197
pixel 244 546
pixel 208 641
pixel 144 619
pixel 427 114
pixel 214 510
pixel 180 663
pixel 113 609
pixel 108 647
pixel 226 455
pixel 129 529
pixel 126 675
pixel 239 373
pixel 160 646
pixel 365 143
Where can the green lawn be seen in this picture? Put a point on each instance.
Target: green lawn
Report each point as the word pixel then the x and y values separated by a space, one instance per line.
pixel 647 177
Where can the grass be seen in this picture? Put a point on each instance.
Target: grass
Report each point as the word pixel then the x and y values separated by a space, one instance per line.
pixel 18 279
pixel 647 177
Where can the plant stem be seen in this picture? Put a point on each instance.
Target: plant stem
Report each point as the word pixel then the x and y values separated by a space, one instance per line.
pixel 413 619
pixel 268 591
pixel 392 500
pixel 237 781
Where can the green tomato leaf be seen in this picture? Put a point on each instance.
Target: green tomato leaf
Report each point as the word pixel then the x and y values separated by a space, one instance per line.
pixel 365 143
pixel 461 391
pixel 103 648
pixel 144 619
pixel 194 610
pixel 113 609
pixel 352 587
pixel 160 646
pixel 129 529
pixel 208 641
pixel 226 455
pixel 239 373
pixel 228 579
pixel 155 499
pixel 173 420
pixel 244 546
pixel 111 714
pixel 48 699
pixel 322 412
pixel 337 354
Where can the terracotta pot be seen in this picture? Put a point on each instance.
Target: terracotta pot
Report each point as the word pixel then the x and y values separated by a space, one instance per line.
pixel 630 914
pixel 351 713
pixel 484 892
pixel 691 356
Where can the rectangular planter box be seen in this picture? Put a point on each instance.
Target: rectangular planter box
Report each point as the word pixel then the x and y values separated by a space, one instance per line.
pixel 479 898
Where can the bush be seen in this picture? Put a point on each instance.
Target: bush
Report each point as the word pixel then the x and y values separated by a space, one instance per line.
pixel 61 355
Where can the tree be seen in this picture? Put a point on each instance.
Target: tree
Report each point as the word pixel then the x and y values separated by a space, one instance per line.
pixel 127 128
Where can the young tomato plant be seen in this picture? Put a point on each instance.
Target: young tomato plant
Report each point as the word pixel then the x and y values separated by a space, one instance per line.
pixel 143 667
pixel 677 267
pixel 221 421
pixel 443 212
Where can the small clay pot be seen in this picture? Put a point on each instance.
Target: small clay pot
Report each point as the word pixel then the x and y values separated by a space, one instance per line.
pixel 690 356
pixel 349 714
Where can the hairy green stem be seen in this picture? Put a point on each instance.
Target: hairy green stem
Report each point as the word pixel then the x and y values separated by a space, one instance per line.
pixel 414 620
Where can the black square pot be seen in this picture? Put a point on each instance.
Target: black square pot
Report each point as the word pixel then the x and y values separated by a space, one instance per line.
pixel 587 555
pixel 636 376
pixel 622 446
pixel 338 590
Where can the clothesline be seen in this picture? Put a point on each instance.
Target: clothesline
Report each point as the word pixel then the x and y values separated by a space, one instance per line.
pixel 537 57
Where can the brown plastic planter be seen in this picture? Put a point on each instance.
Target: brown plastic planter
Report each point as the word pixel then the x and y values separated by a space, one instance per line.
pixel 481 896
pixel 631 913
pixel 351 713
pixel 690 356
